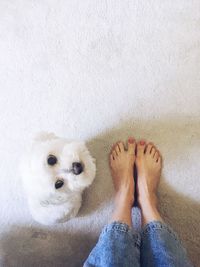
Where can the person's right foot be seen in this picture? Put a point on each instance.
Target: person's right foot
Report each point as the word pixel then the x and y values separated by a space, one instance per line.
pixel 148 163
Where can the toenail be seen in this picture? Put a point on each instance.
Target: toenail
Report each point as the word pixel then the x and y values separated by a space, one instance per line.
pixel 131 140
pixel 142 142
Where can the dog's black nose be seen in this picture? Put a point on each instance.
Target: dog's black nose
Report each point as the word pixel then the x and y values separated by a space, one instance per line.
pixel 59 184
pixel 77 168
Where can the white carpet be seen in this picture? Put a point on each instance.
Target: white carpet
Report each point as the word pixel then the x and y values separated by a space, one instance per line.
pixel 98 71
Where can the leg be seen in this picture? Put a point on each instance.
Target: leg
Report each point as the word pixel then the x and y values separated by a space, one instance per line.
pixel 118 244
pixel 160 246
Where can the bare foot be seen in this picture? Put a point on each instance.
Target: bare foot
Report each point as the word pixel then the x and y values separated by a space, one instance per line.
pixel 121 165
pixel 148 163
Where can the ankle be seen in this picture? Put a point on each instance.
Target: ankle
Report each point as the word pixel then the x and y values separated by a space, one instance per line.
pixel 150 200
pixel 122 214
pixel 149 209
pixel 124 198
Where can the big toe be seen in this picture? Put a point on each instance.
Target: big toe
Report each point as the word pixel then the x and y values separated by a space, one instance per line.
pixel 140 148
pixel 131 146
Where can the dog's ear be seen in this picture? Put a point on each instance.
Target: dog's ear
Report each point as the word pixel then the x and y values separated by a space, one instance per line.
pixel 44 136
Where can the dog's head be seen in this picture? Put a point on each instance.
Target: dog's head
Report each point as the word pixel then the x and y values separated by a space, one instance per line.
pixel 55 166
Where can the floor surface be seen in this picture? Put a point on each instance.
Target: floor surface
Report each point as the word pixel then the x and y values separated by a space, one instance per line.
pixel 98 71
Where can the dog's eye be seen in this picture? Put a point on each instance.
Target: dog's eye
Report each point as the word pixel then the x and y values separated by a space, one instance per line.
pixel 52 160
pixel 77 168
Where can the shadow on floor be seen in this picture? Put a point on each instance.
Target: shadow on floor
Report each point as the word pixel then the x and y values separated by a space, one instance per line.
pixel 23 247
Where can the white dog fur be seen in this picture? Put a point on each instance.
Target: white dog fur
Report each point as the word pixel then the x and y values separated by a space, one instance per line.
pixel 47 204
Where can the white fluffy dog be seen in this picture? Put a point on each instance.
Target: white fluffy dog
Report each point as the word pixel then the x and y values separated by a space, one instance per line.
pixel 54 174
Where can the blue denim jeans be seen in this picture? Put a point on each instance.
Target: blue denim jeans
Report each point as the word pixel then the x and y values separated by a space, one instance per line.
pixel 156 245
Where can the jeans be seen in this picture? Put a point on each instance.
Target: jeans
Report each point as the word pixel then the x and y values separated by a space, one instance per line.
pixel 155 245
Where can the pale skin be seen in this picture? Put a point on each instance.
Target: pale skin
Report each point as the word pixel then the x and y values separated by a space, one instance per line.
pixel 148 163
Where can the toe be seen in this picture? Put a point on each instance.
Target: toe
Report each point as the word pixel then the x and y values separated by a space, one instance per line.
pixel 112 148
pixel 114 154
pixel 131 146
pixel 111 158
pixel 117 148
pixel 141 148
pixel 156 155
pixel 149 147
pixel 121 146
pixel 153 151
pixel 159 160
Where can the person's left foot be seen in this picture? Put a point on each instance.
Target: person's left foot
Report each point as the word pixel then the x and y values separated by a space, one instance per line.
pixel 121 164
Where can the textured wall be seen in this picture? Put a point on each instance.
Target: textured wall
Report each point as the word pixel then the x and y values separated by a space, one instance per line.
pixel 98 71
